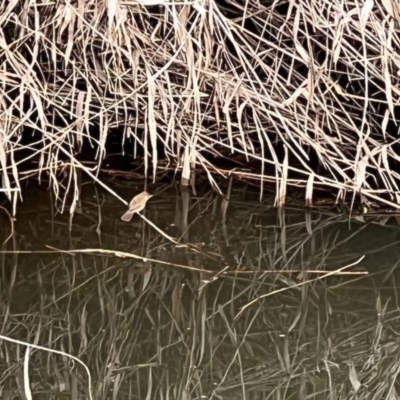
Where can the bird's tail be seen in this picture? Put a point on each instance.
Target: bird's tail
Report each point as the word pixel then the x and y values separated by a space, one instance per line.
pixel 127 216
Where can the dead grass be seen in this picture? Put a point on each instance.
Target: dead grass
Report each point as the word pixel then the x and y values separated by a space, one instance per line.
pixel 243 79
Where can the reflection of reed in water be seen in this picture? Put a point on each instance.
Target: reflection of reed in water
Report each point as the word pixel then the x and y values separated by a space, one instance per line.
pixel 136 205
pixel 142 330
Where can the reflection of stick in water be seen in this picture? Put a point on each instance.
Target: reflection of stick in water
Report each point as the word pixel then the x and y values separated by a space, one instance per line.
pixel 136 205
pixel 336 272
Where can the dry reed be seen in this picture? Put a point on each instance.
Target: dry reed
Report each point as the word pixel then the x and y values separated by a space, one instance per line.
pixel 306 91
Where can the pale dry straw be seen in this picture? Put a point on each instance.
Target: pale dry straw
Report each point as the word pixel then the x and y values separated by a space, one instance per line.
pixel 320 78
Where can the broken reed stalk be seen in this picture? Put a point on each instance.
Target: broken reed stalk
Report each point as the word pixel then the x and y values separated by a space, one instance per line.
pixel 202 79
pixel 224 272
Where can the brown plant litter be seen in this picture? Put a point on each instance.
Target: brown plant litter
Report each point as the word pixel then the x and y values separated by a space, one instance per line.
pixel 201 79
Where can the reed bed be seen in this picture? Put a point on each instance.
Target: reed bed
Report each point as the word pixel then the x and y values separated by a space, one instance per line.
pixel 299 94
pixel 146 329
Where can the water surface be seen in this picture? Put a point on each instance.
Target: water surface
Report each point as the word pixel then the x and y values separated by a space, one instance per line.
pixel 154 310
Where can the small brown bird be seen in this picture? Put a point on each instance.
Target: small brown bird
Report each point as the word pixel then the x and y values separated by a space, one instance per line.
pixel 136 205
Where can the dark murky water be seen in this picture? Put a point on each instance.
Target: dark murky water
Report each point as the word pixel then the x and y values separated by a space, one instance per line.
pixel 166 324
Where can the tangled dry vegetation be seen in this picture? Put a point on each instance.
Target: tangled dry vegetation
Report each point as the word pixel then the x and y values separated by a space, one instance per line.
pixel 305 93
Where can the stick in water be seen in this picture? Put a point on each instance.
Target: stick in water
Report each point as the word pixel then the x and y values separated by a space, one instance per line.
pixel 297 285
